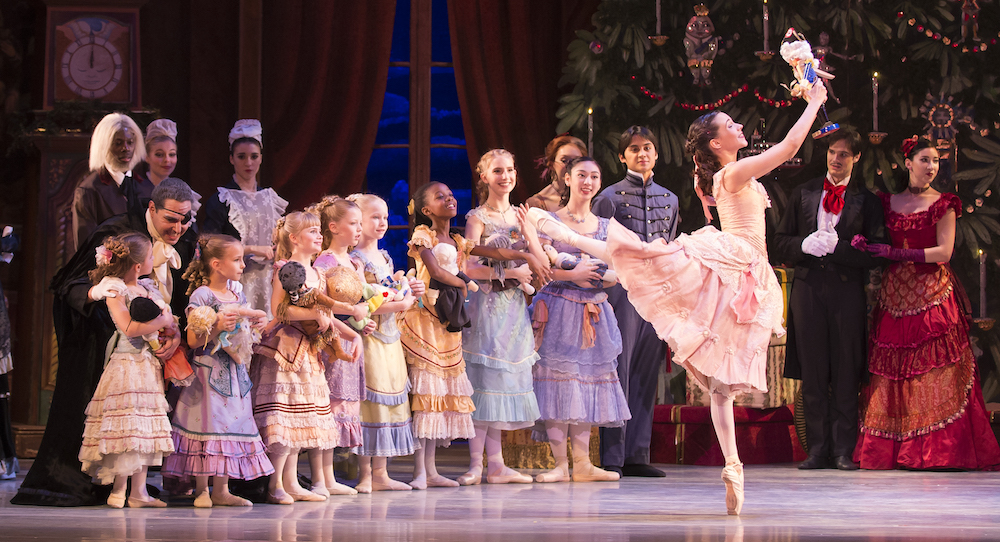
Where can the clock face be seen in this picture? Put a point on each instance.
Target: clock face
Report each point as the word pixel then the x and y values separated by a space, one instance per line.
pixel 92 67
pixel 92 57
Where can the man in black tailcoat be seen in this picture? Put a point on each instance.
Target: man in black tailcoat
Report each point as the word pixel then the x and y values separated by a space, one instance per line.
pixel 83 328
pixel 827 312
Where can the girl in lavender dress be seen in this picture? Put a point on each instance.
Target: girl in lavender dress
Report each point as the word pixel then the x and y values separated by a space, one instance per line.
pixel 577 338
pixel 214 432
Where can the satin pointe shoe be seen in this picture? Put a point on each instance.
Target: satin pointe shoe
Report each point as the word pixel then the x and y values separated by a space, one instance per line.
pixel 471 478
pixel 509 476
pixel 732 476
pixel 543 222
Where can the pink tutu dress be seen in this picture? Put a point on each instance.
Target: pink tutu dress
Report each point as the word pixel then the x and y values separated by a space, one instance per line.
pixel 711 295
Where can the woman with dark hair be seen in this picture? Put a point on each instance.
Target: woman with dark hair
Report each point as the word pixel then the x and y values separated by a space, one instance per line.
pixel 558 154
pixel 711 295
pixel 244 210
pixel 923 407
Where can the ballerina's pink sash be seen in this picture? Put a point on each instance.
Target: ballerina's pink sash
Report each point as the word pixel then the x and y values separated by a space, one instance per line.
pixel 746 304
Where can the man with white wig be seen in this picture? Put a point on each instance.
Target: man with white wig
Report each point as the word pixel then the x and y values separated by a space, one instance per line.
pixel 115 149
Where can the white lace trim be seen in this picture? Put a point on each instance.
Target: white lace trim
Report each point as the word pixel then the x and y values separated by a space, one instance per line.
pixel 253 214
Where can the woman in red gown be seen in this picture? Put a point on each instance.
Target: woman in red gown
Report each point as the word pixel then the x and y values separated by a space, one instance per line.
pixel 923 408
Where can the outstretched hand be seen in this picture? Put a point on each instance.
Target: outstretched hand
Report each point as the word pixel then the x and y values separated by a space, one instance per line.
pixel 817 92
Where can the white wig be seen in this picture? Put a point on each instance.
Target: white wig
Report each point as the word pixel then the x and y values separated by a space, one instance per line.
pixel 104 136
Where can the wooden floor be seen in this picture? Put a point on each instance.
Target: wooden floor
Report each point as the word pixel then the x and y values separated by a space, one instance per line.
pixel 783 504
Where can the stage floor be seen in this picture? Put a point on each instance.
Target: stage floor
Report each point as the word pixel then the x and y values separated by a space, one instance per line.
pixel 783 504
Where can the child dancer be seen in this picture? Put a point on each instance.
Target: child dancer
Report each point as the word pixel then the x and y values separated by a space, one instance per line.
pixel 498 347
pixel 578 341
pixel 127 429
pixel 214 430
pixel 340 221
pixel 385 414
pixel 290 393
pixel 710 294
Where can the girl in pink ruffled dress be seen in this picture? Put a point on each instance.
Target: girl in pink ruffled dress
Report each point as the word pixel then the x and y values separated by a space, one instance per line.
pixel 711 295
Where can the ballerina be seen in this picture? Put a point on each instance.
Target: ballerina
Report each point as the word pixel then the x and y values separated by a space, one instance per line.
pixel 711 294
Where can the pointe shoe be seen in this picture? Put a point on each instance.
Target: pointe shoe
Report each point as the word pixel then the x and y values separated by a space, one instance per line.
pixel 116 501
pixel 279 497
pixel 471 478
pixel 509 476
pixel 585 471
pixel 543 222
pixel 732 476
pixel 203 500
pixel 558 474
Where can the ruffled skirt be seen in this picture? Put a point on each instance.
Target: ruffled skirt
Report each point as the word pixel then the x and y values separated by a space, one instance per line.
pixel 291 398
pixel 215 434
pixel 386 428
pixel 576 378
pixel 346 381
pixel 923 407
pixel 441 393
pixel 499 352
pixel 127 426
pixel 711 296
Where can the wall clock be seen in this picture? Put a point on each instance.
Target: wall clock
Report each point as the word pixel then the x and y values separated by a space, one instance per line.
pixel 92 54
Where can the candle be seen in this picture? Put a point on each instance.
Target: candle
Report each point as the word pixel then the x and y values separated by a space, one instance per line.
pixel 982 284
pixel 657 17
pixel 875 102
pixel 590 130
pixel 767 32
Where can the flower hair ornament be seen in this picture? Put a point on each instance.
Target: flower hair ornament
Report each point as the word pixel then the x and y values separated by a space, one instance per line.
pixel 103 255
pixel 908 144
pixel 411 207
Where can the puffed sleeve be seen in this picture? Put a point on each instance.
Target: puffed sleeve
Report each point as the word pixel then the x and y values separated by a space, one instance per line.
pixel 422 238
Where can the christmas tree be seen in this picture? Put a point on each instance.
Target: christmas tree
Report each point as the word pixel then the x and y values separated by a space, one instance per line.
pixel 928 65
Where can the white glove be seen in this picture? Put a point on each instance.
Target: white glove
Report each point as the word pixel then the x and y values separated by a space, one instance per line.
pixel 818 243
pixel 105 289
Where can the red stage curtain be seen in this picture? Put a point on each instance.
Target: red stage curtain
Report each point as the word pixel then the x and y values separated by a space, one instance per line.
pixel 508 57
pixel 324 68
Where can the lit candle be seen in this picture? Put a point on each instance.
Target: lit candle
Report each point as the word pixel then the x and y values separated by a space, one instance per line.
pixel 658 17
pixel 590 129
pixel 875 102
pixel 767 32
pixel 982 284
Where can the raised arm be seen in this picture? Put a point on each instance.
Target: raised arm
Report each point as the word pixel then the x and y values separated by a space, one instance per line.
pixel 739 173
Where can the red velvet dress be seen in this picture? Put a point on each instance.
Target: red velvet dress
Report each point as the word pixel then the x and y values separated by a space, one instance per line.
pixel 923 408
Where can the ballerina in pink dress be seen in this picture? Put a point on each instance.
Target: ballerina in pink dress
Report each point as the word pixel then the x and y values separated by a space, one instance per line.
pixel 711 294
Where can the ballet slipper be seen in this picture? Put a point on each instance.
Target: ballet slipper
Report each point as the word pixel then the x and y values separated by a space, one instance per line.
pixel 364 486
pixel 420 482
pixel 136 502
pixel 116 501
pixel 472 478
pixel 380 483
pixel 732 476
pixel 305 495
pixel 440 481
pixel 203 500
pixel 543 222
pixel 279 497
pixel 340 489
pixel 508 476
pixel 320 489
pixel 227 499
pixel 585 471
pixel 558 474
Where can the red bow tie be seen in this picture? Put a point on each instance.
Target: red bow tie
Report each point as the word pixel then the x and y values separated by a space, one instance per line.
pixel 833 202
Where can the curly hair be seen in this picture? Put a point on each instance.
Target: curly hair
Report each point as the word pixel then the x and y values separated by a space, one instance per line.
pixel 291 224
pixel 330 209
pixel 126 250
pixel 210 247
pixel 552 149
pixel 363 201
pixel 702 131
pixel 482 190
pixel 564 200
